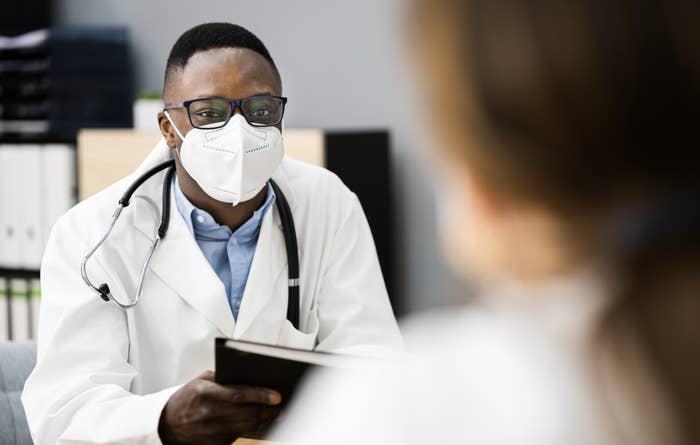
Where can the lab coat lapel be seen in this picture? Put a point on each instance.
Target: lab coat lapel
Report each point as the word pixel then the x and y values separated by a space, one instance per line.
pixel 266 283
pixel 180 264
pixel 179 261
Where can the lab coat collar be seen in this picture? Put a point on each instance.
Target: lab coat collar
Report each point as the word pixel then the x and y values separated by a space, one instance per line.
pixel 267 270
pixel 180 263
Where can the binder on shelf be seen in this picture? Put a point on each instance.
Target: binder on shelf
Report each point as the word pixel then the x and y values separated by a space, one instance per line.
pixel 34 306
pixel 19 309
pixel 4 194
pixel 29 205
pixel 10 197
pixel 4 311
pixel 57 185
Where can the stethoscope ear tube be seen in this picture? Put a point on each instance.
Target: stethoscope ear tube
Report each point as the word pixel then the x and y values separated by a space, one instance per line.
pixel 126 198
pixel 288 228
pixel 165 209
pixel 290 240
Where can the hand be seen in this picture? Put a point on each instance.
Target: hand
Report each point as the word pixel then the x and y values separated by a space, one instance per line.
pixel 203 411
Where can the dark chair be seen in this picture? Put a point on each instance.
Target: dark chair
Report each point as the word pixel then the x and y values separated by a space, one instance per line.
pixel 17 360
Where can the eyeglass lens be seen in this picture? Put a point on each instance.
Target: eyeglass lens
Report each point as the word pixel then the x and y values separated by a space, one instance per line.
pixel 260 111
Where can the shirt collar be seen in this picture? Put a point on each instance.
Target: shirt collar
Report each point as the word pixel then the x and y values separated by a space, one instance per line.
pixel 184 206
pixel 249 230
pixel 189 212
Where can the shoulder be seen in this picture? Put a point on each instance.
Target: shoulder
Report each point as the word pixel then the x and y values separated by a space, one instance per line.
pixel 469 378
pixel 317 188
pixel 92 214
pixel 304 177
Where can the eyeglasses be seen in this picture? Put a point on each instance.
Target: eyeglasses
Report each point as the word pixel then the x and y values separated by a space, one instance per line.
pixel 215 112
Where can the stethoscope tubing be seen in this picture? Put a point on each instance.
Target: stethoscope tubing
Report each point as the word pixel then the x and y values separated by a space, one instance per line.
pixel 288 230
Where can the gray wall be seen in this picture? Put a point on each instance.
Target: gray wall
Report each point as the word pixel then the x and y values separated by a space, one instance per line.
pixel 342 67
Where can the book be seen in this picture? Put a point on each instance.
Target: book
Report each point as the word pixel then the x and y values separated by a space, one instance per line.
pixel 279 368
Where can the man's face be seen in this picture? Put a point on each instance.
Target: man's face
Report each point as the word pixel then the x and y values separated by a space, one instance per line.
pixel 232 73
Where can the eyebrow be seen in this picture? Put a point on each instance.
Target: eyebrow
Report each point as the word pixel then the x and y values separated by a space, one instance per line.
pixel 208 96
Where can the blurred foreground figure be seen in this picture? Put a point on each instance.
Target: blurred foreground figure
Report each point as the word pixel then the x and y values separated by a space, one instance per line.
pixel 566 144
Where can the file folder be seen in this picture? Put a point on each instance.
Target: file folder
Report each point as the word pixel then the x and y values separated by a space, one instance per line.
pixel 4 207
pixel 34 306
pixel 4 311
pixel 19 309
pixel 9 199
pixel 29 205
pixel 57 185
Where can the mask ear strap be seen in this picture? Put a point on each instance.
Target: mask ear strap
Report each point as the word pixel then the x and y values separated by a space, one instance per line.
pixel 167 115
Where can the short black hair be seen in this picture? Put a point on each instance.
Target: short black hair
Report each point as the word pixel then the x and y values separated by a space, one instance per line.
pixel 210 36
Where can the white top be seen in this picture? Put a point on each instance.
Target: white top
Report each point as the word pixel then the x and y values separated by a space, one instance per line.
pixel 515 368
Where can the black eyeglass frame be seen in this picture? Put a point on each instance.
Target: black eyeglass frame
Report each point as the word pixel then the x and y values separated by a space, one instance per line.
pixel 233 104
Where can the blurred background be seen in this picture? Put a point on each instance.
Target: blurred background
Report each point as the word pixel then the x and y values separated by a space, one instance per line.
pixel 69 69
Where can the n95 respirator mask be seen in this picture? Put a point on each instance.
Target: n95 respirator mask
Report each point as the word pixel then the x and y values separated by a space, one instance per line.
pixel 232 163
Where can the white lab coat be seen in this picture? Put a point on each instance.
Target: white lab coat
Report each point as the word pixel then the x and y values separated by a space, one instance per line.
pixel 103 374
pixel 518 365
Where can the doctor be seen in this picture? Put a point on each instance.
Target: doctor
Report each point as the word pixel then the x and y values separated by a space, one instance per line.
pixel 109 375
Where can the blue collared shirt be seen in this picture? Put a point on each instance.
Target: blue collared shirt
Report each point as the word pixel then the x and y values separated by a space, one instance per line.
pixel 229 253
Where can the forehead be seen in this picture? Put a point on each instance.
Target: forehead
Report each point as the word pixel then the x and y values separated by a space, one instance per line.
pixel 234 73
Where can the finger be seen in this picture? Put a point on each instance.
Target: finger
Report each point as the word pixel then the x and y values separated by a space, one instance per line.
pixel 226 418
pixel 238 413
pixel 267 420
pixel 244 394
pixel 207 375
pixel 226 438
pixel 269 413
pixel 247 428
pixel 229 428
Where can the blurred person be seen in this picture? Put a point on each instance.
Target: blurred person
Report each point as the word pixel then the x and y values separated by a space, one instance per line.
pixel 142 375
pixel 565 137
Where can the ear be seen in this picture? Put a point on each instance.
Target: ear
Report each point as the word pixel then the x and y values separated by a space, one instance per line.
pixel 167 130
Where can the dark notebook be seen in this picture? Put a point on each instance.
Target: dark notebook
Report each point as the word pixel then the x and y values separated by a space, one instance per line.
pixel 254 364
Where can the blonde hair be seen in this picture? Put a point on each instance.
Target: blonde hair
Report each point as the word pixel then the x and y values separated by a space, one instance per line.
pixel 589 109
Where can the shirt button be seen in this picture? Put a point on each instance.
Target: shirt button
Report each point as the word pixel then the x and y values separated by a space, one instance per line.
pixel 234 241
pixel 200 218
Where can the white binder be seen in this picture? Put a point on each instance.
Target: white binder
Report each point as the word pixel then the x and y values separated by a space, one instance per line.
pixel 19 309
pixel 57 185
pixel 30 205
pixel 11 256
pixel 4 193
pixel 34 306
pixel 4 313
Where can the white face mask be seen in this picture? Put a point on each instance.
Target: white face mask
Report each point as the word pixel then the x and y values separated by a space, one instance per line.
pixel 233 163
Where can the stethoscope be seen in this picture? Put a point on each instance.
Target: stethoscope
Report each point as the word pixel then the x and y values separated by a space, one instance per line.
pixel 290 241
